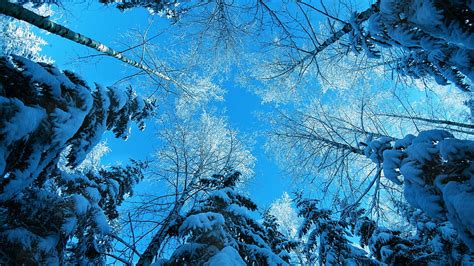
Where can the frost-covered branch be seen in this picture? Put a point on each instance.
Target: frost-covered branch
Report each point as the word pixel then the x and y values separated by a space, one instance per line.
pixel 13 10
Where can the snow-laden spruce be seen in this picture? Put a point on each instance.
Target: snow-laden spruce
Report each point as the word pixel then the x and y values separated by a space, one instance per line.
pixel 332 240
pixel 437 173
pixel 437 38
pixel 219 230
pixel 327 238
pixel 49 214
pixel 429 242
pixel 45 110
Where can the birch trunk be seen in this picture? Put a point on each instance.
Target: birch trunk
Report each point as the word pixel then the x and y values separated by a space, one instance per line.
pixel 21 13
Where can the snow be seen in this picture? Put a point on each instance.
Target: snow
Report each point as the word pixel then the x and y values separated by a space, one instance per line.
pixel 113 186
pixel 23 177
pixel 238 210
pixel 412 171
pixel 425 198
pixel 228 256
pixel 430 136
pixel 386 253
pixel 383 237
pixel 202 221
pixel 69 225
pixel 221 194
pixel 119 96
pixel 454 149
pixel 431 40
pixel 84 146
pixel 26 119
pixel 375 24
pixel 93 193
pixel 388 7
pixel 48 243
pixel 447 232
pixel 140 102
pixel 404 142
pixel 375 148
pixel 459 200
pixel 40 75
pixel 425 14
pixel 20 236
pixel 271 258
pixel 101 222
pixel 21 121
pixel 81 204
pixel 392 160
pixel 442 196
pixel 66 123
pixel 18 38
pixel 421 152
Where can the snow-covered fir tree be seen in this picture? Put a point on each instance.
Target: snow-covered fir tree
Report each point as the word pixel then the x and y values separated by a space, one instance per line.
pixel 392 248
pixel 277 240
pixel 438 236
pixel 436 171
pixel 220 231
pixel 427 242
pixel 51 215
pixel 386 246
pixel 436 38
pixel 171 9
pixel 54 110
pixel 327 238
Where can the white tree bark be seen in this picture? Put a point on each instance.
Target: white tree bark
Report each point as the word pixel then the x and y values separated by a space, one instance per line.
pixel 21 13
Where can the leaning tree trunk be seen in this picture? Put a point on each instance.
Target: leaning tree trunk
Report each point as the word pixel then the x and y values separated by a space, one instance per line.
pixel 363 16
pixel 156 242
pixel 429 120
pixel 21 13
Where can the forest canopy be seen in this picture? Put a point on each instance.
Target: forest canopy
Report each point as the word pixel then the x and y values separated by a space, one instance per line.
pixel 248 132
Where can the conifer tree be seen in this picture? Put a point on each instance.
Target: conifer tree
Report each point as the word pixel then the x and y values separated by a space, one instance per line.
pixel 219 229
pixel 172 9
pixel 437 176
pixel 327 238
pixel 427 242
pixel 277 241
pixel 52 214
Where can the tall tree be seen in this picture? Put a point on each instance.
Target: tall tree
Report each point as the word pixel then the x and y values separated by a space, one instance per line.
pixel 52 215
pixel 327 238
pixel 278 242
pixel 17 11
pixel 219 231
pixel 172 9
pixel 191 150
pixel 429 167
pixel 282 216
pixel 416 38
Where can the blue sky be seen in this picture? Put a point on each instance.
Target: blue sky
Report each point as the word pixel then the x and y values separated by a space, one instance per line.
pixel 107 24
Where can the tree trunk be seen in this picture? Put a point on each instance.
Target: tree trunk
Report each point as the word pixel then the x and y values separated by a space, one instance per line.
pixel 21 13
pixel 428 120
pixel 363 16
pixel 147 256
